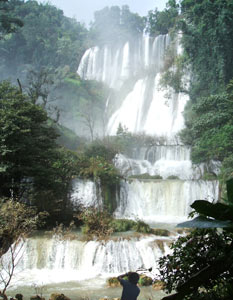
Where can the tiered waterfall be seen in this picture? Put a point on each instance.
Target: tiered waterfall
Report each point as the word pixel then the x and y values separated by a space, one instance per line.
pixel 146 109
pixel 132 71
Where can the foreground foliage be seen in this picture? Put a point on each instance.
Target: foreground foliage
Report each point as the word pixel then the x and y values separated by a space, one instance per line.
pixel 193 253
pixel 17 221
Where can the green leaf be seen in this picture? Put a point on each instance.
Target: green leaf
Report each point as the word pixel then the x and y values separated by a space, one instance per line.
pixel 203 222
pixel 217 211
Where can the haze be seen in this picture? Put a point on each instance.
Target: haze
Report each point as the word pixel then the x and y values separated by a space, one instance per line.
pixel 83 10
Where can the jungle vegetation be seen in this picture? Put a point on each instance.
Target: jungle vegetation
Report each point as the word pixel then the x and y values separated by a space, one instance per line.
pixel 40 50
pixel 205 31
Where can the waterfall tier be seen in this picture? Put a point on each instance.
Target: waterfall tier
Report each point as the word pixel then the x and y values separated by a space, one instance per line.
pixel 154 201
pixel 167 201
pixel 115 64
pixel 146 109
pixel 150 109
pixel 49 260
pixel 181 169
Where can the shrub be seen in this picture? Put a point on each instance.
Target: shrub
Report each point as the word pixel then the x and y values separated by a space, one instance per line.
pixel 121 225
pixel 193 253
pixel 98 149
pixel 174 177
pixel 209 176
pixel 158 285
pixel 113 282
pixel 97 223
pixel 161 232
pixel 142 227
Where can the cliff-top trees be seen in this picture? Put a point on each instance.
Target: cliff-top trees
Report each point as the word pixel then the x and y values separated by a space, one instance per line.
pixel 115 24
pixel 8 23
pixel 207 28
pixel 47 39
pixel 160 22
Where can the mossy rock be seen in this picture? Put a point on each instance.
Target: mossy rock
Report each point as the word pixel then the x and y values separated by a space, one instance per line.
pixel 161 232
pixel 158 285
pixel 142 227
pixel 145 280
pixel 37 297
pixel 145 176
pixel 58 297
pixel 113 282
pixel 173 177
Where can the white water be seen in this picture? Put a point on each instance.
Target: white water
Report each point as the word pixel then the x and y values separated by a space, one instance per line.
pixel 115 64
pixel 86 192
pixel 162 201
pixel 50 260
pixel 156 201
pixel 163 118
pixel 144 109
pixel 148 109
pixel 165 166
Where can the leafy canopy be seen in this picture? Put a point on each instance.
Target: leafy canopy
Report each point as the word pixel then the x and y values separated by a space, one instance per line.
pixel 33 168
pixel 47 39
pixel 209 129
pixel 115 24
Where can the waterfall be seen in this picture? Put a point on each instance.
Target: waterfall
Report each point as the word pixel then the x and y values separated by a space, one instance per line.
pixel 133 70
pixel 149 109
pixel 52 260
pixel 164 167
pixel 113 64
pixel 86 192
pixel 156 201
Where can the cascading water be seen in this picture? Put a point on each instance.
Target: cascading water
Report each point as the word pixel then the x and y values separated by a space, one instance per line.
pixel 161 201
pixel 80 269
pixel 149 110
pixel 68 260
pixel 143 109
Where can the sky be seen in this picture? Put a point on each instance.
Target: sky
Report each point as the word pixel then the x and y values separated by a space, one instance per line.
pixel 83 10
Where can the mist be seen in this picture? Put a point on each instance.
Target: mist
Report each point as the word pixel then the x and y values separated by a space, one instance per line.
pixel 83 11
